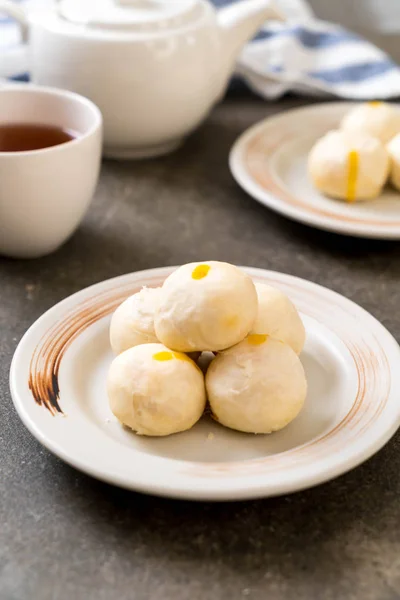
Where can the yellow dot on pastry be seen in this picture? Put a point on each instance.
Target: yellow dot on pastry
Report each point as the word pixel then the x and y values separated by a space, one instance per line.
pixel 163 356
pixel 256 339
pixel 352 161
pixel 200 271
pixel 393 149
pixel 375 103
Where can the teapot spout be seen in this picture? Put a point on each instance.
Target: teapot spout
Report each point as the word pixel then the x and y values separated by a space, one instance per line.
pixel 238 23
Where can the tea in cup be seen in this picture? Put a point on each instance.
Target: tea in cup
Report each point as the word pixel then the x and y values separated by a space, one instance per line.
pixel 50 155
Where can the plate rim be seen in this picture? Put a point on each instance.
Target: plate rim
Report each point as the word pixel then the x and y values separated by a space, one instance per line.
pixel 266 198
pixel 205 493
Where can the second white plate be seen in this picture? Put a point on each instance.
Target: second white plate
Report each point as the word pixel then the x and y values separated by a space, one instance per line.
pixel 269 161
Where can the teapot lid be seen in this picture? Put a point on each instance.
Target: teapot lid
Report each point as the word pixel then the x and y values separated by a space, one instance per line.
pixel 131 15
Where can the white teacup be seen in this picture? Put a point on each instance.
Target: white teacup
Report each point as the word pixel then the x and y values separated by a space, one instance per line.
pixel 44 193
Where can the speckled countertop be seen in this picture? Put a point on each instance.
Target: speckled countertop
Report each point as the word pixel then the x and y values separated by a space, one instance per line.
pixel 64 535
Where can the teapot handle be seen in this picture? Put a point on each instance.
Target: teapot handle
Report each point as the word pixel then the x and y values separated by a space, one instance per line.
pixel 13 11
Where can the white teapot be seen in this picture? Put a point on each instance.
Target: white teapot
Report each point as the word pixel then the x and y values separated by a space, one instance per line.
pixel 154 67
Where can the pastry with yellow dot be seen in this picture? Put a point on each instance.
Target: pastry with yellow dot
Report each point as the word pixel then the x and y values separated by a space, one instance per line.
pixel 156 391
pixel 277 316
pixel 205 306
pixel 394 152
pixel 349 165
pixel 258 386
pixel 132 323
pixel 379 119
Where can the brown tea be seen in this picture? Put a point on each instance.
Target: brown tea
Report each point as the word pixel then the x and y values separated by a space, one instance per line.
pixel 21 137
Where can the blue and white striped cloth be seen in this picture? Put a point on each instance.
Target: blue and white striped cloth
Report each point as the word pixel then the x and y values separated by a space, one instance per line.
pixel 304 55
pixel 317 58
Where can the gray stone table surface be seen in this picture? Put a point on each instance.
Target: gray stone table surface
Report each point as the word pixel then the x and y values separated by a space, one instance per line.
pixel 64 535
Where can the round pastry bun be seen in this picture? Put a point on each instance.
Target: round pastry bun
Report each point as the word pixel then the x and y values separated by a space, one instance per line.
pixel 349 165
pixel 132 323
pixel 278 317
pixel 258 386
pixel 379 119
pixel 155 391
pixel 205 306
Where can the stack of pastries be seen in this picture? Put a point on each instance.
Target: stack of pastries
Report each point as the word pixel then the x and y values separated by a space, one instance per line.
pixel 255 382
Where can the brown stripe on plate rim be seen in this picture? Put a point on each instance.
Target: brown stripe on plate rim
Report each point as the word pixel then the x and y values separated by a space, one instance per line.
pixel 46 358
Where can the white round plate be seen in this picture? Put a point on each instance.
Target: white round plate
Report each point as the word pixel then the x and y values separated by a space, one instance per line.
pixel 269 161
pixel 58 384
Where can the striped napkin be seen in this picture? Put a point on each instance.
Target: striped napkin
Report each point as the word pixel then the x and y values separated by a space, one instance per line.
pixel 303 55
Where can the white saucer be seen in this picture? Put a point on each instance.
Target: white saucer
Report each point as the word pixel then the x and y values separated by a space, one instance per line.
pixel 269 161
pixel 352 364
